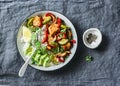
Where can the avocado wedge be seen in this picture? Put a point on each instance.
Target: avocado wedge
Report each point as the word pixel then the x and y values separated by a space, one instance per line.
pixel 63 41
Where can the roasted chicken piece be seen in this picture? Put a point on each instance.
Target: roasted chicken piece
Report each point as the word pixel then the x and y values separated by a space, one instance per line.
pixel 53 29
pixel 51 38
pixel 37 21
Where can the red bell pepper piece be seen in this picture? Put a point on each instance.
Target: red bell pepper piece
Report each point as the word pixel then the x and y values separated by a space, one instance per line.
pixel 51 15
pixel 73 41
pixel 46 34
pixel 59 22
pixel 41 19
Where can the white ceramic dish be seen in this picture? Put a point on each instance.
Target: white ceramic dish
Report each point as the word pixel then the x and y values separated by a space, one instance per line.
pixel 73 50
pixel 95 44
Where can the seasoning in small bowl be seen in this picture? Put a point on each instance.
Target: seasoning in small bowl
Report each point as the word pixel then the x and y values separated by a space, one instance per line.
pixel 92 38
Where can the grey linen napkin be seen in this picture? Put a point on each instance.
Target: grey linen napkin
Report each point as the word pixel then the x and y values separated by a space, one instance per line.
pixel 104 70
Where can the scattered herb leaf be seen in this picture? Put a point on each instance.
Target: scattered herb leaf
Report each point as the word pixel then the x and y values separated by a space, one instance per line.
pixel 88 58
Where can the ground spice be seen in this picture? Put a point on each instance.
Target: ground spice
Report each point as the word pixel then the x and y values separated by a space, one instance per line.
pixel 91 38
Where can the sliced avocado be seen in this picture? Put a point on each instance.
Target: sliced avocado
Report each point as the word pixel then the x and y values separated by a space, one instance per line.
pixel 43 56
pixel 37 56
pixel 63 41
pixel 47 19
pixel 53 44
pixel 47 59
pixel 40 62
pixel 46 62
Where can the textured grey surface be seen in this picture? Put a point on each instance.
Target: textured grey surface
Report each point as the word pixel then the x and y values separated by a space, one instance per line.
pixel 84 14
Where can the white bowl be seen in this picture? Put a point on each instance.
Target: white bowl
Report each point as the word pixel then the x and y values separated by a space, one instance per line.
pixel 73 50
pixel 97 42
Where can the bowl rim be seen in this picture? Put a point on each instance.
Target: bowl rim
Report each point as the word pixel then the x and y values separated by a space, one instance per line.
pixel 62 64
pixel 91 29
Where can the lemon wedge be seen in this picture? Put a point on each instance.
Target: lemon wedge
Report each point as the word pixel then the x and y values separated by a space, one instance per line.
pixel 26 34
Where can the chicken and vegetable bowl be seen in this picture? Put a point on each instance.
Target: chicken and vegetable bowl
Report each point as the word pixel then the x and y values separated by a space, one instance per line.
pixel 49 37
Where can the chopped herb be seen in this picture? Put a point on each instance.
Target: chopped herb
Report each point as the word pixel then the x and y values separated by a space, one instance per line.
pixel 88 58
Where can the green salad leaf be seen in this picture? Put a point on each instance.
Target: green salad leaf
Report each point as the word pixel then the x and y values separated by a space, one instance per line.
pixel 37 44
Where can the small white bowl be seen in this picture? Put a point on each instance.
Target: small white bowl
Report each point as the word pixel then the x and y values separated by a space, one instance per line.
pixel 95 43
